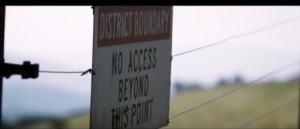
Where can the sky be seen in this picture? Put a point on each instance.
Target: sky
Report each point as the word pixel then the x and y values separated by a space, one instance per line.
pixel 251 56
pixel 59 38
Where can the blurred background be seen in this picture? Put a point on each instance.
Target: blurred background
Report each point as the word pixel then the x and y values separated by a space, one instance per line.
pixel 59 38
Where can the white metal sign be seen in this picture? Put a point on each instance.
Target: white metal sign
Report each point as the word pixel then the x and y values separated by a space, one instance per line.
pixel 132 64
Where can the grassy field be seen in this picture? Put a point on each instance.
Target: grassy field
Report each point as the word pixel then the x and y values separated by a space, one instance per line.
pixel 227 112
pixel 236 108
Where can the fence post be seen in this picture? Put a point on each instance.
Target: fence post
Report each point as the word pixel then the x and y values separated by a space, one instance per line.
pixel 2 22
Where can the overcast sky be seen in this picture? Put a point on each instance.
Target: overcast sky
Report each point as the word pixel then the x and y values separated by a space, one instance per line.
pixel 60 38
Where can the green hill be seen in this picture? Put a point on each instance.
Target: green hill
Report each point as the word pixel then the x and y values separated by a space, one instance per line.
pixel 227 112
pixel 236 108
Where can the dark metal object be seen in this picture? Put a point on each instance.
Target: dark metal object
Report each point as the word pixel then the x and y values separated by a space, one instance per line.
pixel 88 71
pixel 26 70
pixel 2 21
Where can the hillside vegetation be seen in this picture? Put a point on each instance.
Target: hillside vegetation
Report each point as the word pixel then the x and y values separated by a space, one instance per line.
pixel 235 109
pixel 227 112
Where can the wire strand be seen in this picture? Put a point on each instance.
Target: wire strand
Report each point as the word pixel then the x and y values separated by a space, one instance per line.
pixel 266 113
pixel 234 89
pixel 240 35
pixel 46 71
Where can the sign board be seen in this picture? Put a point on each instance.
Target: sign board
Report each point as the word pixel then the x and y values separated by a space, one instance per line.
pixel 132 64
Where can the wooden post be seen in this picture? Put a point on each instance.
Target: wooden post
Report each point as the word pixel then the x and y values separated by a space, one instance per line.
pixel 2 22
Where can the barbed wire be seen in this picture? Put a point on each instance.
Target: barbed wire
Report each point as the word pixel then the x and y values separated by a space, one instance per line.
pixel 63 72
pixel 230 91
pixel 210 45
pixel 47 71
pixel 240 35
pixel 266 113
pixel 234 89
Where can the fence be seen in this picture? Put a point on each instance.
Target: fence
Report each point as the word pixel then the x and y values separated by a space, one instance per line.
pixel 236 89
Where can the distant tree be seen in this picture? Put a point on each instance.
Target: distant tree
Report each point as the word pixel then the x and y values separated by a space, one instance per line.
pixel 30 120
pixel 179 86
pixel 58 123
pixel 6 126
pixel 55 123
pixel 194 86
pixel 238 79
pixel 184 86
pixel 222 82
